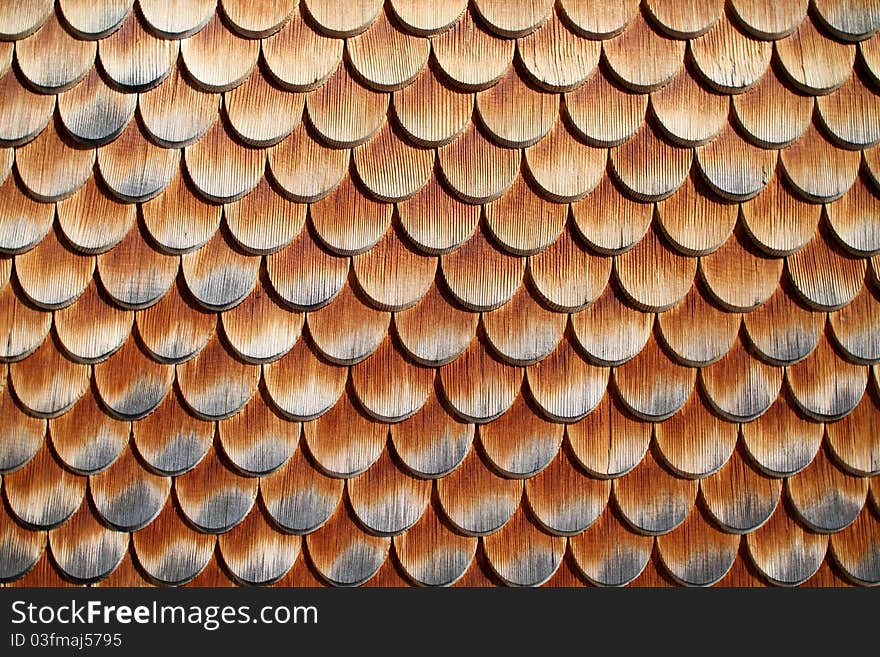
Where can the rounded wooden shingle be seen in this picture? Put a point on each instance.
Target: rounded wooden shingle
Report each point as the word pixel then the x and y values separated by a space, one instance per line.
pixel 134 58
pixel 92 20
pixel 694 220
pixel 178 219
pixel 52 167
pixel 299 58
pixel 86 438
pixel 356 18
pixel 770 21
pixel 262 113
pixel 635 165
pixel 386 57
pixel 779 222
pixel 522 221
pixel 523 554
pixel 130 383
pixel 343 553
pixel 564 168
pixel 264 221
pixel 821 261
pixel 301 384
pixel 825 498
pixel 176 328
pixel 609 553
pixel 47 382
pixel 522 331
pixel 392 274
pixel 652 275
pixel 813 62
pixel 696 553
pixel 733 168
pixel 257 440
pixel 738 497
pixel 69 59
pixel 854 549
pixel 430 112
pixel 784 552
pixel 178 19
pixel 306 170
pixel 471 57
pixel 641 59
pixel 556 58
pixel 21 548
pixel 855 218
pixel 259 329
pixel 92 328
pixel 175 113
pixel 603 113
pixel 689 114
pixel 258 19
pixel 344 111
pixel 685 20
pixel 53 274
pixel 856 327
pixel 771 113
pixel 171 440
pixel 783 441
pixel 23 221
pixel 432 442
pixel 278 551
pixel 596 19
pixel 81 535
pixel 729 60
pixel 348 221
pixel 93 220
pixel 42 493
pixel 22 327
pixel 782 330
pixel 435 221
pixel 849 21
pixel 218 274
pixel 738 276
pixel 347 330
pixel 390 168
pixel 23 113
pixel 609 220
pixel 128 496
pixel 170 550
pixel 697 331
pixel 134 168
pixel 19 20
pixel 609 331
pixel 304 274
pixel 475 168
pixel 849 113
pixel 818 170
pixel 222 169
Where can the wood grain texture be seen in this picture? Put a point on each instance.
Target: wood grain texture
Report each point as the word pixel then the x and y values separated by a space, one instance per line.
pixel 218 274
pixel 357 17
pixel 813 268
pixel 51 167
pixel 92 220
pixel 130 383
pixel 695 442
pixel 432 442
pixel 264 221
pixel 783 331
pixel 476 500
pixel 653 276
pixel 818 170
pixel 386 57
pixel 694 220
pixel 854 440
pixel 474 152
pixel 42 493
pixel 428 19
pixel 431 553
pixel 299 58
pixel 603 113
pixel 564 385
pixel 813 62
pixel 92 328
pixel 348 221
pixel 257 553
pixel 390 167
pixel 23 113
pixel 522 554
pixel 784 552
pixel 480 275
pixel 344 441
pixel 849 21
pixel 522 221
pixel 689 114
pixel 611 347
pixel 685 20
pixel 729 60
pixel 783 441
pixel 521 331
pixel 595 19
pixel 343 553
pixel 126 495
pixel 387 499
pixel 564 499
pixel 347 330
pixel 175 113
pixel 24 19
pixel 171 440
pixel 770 22
pixel 53 275
pixel 696 331
pixel 435 330
pixel 696 553
pixel 213 497
pixel 849 113
pixel 259 329
pixel 303 385
pixel 609 553
pixel 739 386
pixel 514 113
pixel 738 497
pixel 661 510
pixel 435 221
pixel 556 58
pixel 854 549
pixel 177 19
pixel 825 498
pixel 869 49
pixel 478 385
pixel 134 58
pixel 169 550
pixel 84 549
pixel 735 169
pixel 52 59
pixel 779 222
pixel 855 218
pixel 21 549
pixel 305 170
pixel 262 113
pixel 344 111
pixel 771 113
pixel 738 276
pixel 133 168
pixel 298 496
pixel 824 385
pixel 609 441
pixel 520 443
pixel 214 383
pixel 564 168
pixel 86 438
pixel 642 59
pixel 473 58
pixel 389 386
pixel 21 435
pixel 646 396
pixel 22 327
pixel 222 169
pixel 636 165
pixel 175 328
pixel 304 274
pixel 430 112
pixel 257 440
pixel 258 19
pixel 92 112
pixel 592 218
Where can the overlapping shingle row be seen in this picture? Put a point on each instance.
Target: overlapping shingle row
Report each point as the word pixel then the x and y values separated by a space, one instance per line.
pixel 499 292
